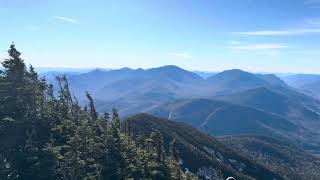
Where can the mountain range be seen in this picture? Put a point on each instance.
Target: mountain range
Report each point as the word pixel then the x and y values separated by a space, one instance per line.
pixel 138 90
pixel 232 102
pixel 266 127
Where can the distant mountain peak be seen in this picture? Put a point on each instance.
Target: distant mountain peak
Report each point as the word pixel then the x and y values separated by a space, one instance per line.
pixel 98 70
pixel 237 79
pixel 174 72
pixel 233 73
pixel 125 69
pixel 235 70
pixel 169 68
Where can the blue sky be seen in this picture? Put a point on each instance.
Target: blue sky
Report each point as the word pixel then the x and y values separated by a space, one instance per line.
pixel 254 35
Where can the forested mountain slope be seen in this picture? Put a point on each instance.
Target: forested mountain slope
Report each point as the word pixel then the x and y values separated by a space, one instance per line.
pixel 197 149
pixel 276 155
pixel 272 102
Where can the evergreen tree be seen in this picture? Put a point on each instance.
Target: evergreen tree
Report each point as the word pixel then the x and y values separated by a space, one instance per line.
pixel 13 84
pixel 23 132
pixel 157 164
pixel 43 136
pixel 174 150
pixel 114 162
pixel 176 172
pixel 157 142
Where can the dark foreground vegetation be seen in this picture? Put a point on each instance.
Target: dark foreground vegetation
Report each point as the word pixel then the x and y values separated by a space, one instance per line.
pixel 47 137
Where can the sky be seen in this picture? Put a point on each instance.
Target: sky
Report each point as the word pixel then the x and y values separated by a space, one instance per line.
pixel 207 35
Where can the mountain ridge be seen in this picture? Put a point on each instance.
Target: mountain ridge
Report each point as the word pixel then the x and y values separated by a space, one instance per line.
pixel 143 88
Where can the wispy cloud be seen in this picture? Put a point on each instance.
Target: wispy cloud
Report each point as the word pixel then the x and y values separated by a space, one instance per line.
pixel 268 49
pixel 255 47
pixel 180 55
pixel 288 32
pixel 66 19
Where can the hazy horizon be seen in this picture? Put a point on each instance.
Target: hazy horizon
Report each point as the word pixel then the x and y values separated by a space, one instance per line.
pixel 85 70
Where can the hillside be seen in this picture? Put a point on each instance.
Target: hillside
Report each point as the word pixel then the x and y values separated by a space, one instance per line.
pixel 222 118
pixel 272 79
pixel 277 155
pixel 278 104
pixel 301 98
pixel 312 88
pixel 198 150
